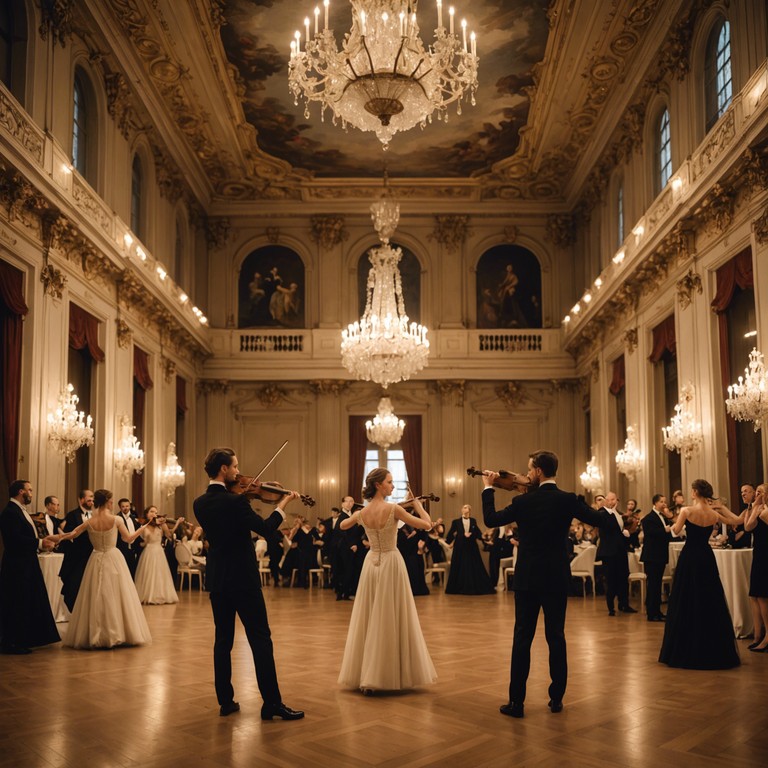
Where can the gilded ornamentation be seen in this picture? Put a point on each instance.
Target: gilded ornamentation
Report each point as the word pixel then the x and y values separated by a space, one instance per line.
pixel 217 14
pixel 630 339
pixel 717 142
pixel 271 396
pixel 120 105
pixel 207 387
pixel 755 172
pixel 328 386
pixel 15 123
pixel 53 281
pixel 169 369
pixel 217 232
pixel 686 287
pixel 760 226
pixel 328 231
pixel 718 207
pixel 7 237
pixel 561 230
pixel 511 233
pixel 511 393
pixel 124 334
pixel 451 231
pixel 450 391
pixel 594 368
pixel 273 235
pixel 91 205
pixel 56 18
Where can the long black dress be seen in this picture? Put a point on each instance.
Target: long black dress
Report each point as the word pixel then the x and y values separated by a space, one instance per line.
pixel 758 577
pixel 699 630
pixel 467 575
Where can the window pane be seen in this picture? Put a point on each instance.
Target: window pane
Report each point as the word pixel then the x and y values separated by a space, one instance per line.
pixel 665 151
pixel 394 461
pixel 620 215
pixel 78 127
pixel 718 83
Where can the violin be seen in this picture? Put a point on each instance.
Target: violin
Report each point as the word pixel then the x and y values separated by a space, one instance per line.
pixel 269 493
pixel 357 506
pixel 508 481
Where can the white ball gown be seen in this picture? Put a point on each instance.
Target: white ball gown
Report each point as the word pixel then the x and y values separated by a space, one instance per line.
pixel 154 582
pixel 107 612
pixel 385 648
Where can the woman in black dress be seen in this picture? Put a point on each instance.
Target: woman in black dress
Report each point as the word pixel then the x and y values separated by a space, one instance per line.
pixel 757 522
pixel 467 575
pixel 699 630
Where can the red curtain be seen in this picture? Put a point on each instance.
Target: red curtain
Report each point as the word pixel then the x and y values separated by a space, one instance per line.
pixel 411 445
pixel 618 380
pixel 12 311
pixel 142 381
pixel 664 339
pixel 84 332
pixel 735 273
pixel 358 443
pixel 181 397
pixel 141 370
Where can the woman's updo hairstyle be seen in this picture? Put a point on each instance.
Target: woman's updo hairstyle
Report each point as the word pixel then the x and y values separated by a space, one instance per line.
pixel 703 488
pixel 101 497
pixel 378 475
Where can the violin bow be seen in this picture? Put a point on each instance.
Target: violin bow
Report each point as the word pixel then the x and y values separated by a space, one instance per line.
pixel 269 463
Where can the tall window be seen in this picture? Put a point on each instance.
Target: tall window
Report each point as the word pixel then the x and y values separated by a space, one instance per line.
pixel 393 459
pixel 13 46
pixel 663 152
pixel 137 179
pixel 620 215
pixel 718 84
pixel 80 126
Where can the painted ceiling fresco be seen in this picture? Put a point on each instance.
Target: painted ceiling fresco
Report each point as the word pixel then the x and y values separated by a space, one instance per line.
pixel 512 36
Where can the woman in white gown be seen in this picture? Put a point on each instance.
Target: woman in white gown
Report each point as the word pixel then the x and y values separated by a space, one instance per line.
pixel 107 612
pixel 154 582
pixel 385 648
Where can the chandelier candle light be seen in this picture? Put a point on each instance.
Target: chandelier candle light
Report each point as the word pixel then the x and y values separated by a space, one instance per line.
pixel 684 433
pixel 129 457
pixel 747 399
pixel 382 346
pixel 383 79
pixel 629 460
pixel 172 475
pixel 68 428
pixel 385 429
pixel 591 478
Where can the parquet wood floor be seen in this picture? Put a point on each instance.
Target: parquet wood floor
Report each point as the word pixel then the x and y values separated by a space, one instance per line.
pixel 155 707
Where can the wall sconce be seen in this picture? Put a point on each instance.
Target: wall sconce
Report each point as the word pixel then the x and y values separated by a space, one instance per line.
pixel 328 483
pixel 452 485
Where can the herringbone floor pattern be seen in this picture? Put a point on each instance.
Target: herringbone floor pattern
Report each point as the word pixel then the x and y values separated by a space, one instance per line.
pixel 155 707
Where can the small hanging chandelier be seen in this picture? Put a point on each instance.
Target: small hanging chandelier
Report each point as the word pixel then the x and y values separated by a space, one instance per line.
pixel 385 429
pixel 383 79
pixel 629 460
pixel 171 475
pixel 591 478
pixel 684 433
pixel 129 457
pixel 68 428
pixel 748 399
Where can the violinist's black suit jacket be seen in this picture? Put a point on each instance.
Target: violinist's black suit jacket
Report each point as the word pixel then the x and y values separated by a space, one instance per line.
pixel 542 575
pixel 76 554
pixel 232 578
pixel 130 551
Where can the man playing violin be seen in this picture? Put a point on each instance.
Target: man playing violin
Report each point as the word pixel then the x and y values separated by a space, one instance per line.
pixel 542 571
pixel 232 576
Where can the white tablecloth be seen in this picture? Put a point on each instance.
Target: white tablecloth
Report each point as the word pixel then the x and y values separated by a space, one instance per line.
pixel 734 566
pixel 50 563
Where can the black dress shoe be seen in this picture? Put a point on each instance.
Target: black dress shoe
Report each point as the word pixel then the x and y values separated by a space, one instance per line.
pixel 555 706
pixel 228 708
pixel 280 710
pixel 611 612
pixel 655 618
pixel 759 650
pixel 15 650
pixel 627 609
pixel 512 710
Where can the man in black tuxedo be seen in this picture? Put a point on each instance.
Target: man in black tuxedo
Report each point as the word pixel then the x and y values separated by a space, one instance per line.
pixel 612 551
pixel 77 551
pixel 25 611
pixel 337 553
pixel 232 576
pixel 130 551
pixel 542 571
pixel 655 554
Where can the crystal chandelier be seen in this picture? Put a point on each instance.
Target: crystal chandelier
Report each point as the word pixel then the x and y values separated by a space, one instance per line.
pixel 172 475
pixel 684 433
pixel 382 346
pixel 747 400
pixel 629 460
pixel 129 457
pixel 385 429
pixel 68 428
pixel 591 478
pixel 383 79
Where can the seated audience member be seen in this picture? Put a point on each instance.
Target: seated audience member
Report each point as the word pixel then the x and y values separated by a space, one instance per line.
pixel 738 538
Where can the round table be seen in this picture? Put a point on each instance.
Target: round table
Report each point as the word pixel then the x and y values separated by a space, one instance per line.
pixel 50 564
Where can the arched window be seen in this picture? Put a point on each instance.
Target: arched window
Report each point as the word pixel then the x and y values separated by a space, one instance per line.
pixel 13 46
pixel 620 215
pixel 137 189
pixel 663 152
pixel 718 85
pixel 80 126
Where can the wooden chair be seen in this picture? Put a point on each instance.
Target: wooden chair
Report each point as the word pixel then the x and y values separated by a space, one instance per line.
pixel 641 578
pixel 506 569
pixel 583 567
pixel 264 572
pixel 432 569
pixel 185 566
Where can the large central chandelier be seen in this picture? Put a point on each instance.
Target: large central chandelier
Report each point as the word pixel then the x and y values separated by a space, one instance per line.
pixel 748 399
pixel 68 428
pixel 382 346
pixel 684 433
pixel 383 79
pixel 385 429
pixel 629 460
pixel 129 457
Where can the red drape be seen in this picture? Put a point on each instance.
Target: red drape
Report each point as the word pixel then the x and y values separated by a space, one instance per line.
pixel 664 339
pixel 84 332
pixel 411 445
pixel 618 380
pixel 358 443
pixel 141 370
pixel 736 272
pixel 181 397
pixel 12 311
